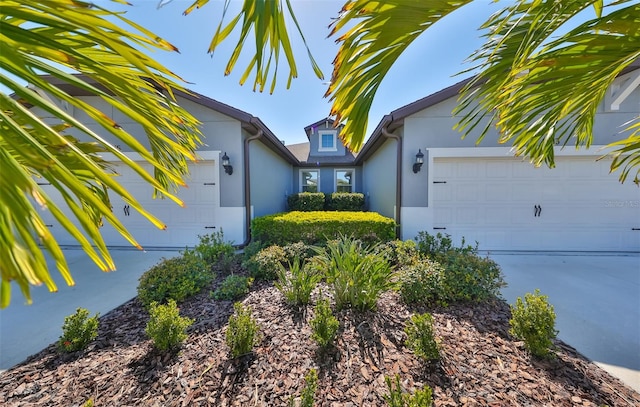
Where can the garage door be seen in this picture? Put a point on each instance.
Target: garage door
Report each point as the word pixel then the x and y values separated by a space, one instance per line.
pixel 198 217
pixel 507 204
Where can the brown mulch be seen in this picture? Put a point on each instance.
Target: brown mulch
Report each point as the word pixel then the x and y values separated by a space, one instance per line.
pixel 481 364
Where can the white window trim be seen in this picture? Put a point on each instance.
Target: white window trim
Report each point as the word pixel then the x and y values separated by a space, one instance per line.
pixel 302 171
pixel 353 178
pixel 332 133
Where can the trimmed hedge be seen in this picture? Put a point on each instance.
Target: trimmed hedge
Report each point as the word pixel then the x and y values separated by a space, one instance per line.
pixel 345 201
pixel 319 226
pixel 306 201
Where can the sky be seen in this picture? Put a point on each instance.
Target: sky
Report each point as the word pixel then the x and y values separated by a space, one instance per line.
pixel 429 64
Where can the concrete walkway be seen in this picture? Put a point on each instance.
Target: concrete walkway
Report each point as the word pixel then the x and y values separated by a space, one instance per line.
pixel 27 329
pixel 596 299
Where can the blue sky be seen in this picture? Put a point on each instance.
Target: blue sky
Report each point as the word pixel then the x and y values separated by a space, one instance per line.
pixel 429 65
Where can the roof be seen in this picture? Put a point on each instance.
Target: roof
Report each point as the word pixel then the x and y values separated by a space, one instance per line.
pixel 327 120
pixel 396 118
pixel 301 152
pixel 248 122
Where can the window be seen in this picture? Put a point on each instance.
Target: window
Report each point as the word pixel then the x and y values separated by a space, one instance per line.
pixel 344 180
pixel 309 181
pixel 327 141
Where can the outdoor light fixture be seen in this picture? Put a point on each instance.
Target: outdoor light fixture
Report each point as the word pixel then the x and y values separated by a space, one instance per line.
pixel 419 161
pixel 225 163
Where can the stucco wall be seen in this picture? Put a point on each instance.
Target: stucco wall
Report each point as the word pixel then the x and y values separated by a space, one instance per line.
pixel 379 179
pixel 271 180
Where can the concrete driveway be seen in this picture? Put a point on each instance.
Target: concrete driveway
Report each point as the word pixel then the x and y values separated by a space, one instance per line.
pixel 27 329
pixel 596 299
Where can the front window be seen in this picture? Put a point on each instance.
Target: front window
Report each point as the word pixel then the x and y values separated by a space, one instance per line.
pixel 309 181
pixel 327 141
pixel 344 180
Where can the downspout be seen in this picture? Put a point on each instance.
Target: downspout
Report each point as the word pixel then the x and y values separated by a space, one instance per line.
pixel 247 189
pixel 398 139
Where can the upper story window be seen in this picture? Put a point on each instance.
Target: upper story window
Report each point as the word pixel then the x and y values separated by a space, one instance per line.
pixel 309 181
pixel 327 141
pixel 344 180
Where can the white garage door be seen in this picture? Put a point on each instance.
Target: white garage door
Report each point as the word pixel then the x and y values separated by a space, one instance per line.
pixel 184 224
pixel 507 204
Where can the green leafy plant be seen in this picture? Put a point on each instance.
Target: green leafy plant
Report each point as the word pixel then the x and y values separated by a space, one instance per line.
pixel 166 327
pixel 533 321
pixel 400 253
pixel 307 398
pixel 243 331
pixel 306 201
pixel 421 282
pixel 421 337
pixel 212 248
pixel 297 283
pixel 355 273
pixel 176 278
pixel 78 331
pixel 468 276
pixel 324 325
pixel 298 250
pixel 232 288
pixel 398 398
pixel 265 264
pixel 344 201
pixel 319 226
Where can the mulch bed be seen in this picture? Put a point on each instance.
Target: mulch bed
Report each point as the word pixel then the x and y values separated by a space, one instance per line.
pixel 481 364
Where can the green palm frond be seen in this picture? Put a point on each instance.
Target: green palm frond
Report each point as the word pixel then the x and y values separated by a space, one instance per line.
pixel 266 19
pixel 541 91
pixel 40 43
pixel 380 32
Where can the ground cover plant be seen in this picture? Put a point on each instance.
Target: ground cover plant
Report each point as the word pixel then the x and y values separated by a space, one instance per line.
pixel 262 352
pixel 78 331
pixel 166 327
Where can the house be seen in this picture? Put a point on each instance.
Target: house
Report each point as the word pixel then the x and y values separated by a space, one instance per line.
pixel 324 163
pixel 414 168
pixel 485 194
pixel 254 183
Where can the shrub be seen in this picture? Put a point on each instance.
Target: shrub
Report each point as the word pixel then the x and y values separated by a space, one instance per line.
pixel 467 276
pixel 306 201
pixel 252 249
pixel 355 273
pixel 307 398
pixel 298 250
pixel 212 248
pixel 345 201
pixel 166 327
pixel 265 264
pixel 421 283
pixel 177 278
pixel 533 321
pixel 400 253
pixel 242 332
pixel 324 325
pixel 232 288
pixel 318 227
pixel 297 283
pixel 397 398
pixel 421 337
pixel 78 331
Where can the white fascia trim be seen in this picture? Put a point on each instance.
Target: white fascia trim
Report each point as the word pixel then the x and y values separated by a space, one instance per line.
pixel 629 86
pixel 507 152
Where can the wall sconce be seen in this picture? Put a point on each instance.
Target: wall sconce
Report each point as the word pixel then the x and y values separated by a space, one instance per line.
pixel 419 161
pixel 225 163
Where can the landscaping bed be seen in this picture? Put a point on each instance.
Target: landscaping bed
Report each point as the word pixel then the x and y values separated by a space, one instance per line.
pixel 481 364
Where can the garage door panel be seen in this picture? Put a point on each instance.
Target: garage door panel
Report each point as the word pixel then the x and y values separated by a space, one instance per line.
pixel 576 206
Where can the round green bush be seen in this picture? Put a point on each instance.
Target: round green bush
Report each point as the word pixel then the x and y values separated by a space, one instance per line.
pixel 176 278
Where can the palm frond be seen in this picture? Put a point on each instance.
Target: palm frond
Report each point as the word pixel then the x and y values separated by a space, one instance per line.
pixel 46 44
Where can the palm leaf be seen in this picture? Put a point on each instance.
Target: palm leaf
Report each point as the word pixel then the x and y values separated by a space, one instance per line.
pixel 55 38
